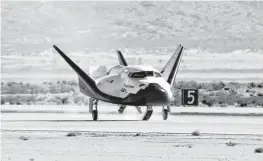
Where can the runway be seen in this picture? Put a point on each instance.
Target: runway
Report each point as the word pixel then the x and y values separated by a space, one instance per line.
pixel 125 137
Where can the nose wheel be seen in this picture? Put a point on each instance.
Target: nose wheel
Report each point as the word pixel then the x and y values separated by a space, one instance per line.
pixel 121 109
pixel 148 113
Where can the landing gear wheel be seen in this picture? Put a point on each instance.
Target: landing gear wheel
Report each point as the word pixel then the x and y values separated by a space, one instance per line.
pixel 94 115
pixel 165 114
pixel 93 103
pixel 121 109
pixel 148 113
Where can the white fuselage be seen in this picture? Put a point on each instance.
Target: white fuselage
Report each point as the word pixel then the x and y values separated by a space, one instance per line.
pixel 120 84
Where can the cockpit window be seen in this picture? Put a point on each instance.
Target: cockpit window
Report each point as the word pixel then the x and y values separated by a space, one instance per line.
pixel 138 75
pixel 149 73
pixel 144 74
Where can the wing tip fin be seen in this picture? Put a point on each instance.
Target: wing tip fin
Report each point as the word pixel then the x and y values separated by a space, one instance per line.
pixel 87 84
pixel 85 77
pixel 166 67
pixel 175 66
pixel 121 58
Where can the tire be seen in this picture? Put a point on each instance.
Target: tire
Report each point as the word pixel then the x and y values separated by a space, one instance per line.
pixel 165 114
pixel 120 111
pixel 95 115
pixel 147 115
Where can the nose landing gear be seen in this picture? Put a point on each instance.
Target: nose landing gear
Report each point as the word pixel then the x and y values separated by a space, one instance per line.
pixel 121 109
pixel 148 113
pixel 139 109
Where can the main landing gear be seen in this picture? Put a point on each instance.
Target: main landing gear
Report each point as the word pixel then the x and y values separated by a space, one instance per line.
pixel 93 108
pixel 148 113
pixel 165 111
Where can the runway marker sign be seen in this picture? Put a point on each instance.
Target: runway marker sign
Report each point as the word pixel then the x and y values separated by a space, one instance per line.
pixel 190 97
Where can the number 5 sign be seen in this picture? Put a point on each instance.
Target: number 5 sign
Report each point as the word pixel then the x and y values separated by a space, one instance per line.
pixel 190 97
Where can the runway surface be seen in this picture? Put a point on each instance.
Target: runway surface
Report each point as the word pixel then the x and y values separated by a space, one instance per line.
pixel 125 137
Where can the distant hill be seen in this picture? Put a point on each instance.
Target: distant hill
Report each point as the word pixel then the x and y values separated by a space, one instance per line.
pixel 217 26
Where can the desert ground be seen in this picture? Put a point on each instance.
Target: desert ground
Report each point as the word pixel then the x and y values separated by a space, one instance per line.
pixel 45 134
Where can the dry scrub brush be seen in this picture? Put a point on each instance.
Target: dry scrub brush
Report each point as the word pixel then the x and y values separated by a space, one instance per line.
pixel 67 92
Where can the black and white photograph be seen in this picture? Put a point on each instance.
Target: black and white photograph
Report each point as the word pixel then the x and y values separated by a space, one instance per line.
pixel 131 80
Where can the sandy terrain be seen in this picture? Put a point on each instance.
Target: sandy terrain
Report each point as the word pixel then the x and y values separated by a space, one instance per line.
pixel 43 145
pixel 44 137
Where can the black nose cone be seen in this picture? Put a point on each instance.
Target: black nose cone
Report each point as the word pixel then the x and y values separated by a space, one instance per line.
pixel 156 95
pixel 153 95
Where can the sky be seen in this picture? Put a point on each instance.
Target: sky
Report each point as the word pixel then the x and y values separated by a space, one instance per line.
pixel 33 27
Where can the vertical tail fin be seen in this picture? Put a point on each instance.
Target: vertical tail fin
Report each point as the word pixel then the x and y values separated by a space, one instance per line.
pixel 122 60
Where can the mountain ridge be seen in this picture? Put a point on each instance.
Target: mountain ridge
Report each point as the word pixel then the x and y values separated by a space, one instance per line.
pixel 217 26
